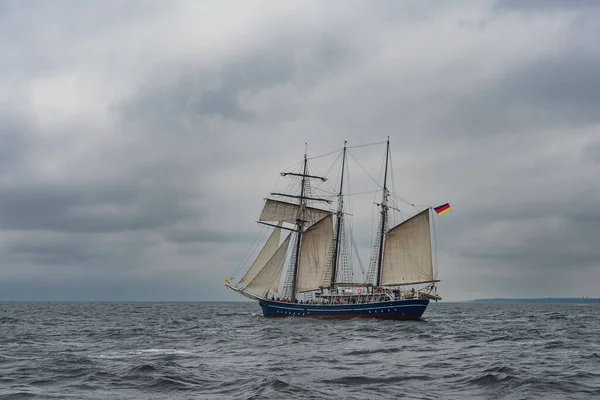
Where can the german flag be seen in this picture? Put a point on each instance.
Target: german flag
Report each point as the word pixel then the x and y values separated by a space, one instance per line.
pixel 444 208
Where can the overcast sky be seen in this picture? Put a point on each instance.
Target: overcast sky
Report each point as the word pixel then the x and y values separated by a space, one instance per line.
pixel 138 138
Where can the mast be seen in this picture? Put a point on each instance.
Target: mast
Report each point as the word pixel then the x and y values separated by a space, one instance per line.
pixel 384 210
pixel 338 228
pixel 299 227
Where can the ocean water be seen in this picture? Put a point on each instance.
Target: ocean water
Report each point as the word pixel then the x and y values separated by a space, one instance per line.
pixel 229 351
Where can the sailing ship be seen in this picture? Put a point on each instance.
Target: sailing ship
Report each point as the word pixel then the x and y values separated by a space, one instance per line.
pixel 316 284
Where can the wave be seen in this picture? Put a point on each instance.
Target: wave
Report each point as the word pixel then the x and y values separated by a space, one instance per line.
pixel 229 351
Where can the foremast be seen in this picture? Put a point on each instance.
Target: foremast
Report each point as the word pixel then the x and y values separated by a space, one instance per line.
pixel 304 220
pixel 384 212
pixel 299 226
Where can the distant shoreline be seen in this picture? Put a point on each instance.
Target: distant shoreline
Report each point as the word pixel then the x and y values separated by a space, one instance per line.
pixel 542 300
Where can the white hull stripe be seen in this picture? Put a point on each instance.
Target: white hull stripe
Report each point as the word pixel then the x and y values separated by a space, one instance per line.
pixel 328 309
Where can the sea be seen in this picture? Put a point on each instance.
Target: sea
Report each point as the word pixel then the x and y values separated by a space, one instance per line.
pixel 198 350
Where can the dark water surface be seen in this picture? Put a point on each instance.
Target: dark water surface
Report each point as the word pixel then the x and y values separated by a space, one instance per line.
pixel 229 351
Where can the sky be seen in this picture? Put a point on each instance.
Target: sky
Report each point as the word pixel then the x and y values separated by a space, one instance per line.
pixel 138 139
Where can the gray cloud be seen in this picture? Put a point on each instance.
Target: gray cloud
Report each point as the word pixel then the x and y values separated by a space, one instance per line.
pixel 138 140
pixel 546 5
pixel 89 209
pixel 546 93
pixel 226 89
pixel 15 139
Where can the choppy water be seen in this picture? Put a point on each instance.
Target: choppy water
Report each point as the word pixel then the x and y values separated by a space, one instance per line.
pixel 229 351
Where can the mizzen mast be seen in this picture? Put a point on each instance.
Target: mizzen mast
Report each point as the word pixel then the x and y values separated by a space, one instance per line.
pixel 384 211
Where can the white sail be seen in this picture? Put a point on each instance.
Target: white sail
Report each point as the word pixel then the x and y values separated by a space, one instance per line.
pixel 407 255
pixel 263 257
pixel 316 242
pixel 276 210
pixel 269 277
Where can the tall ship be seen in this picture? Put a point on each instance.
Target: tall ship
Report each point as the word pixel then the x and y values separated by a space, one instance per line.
pixel 309 273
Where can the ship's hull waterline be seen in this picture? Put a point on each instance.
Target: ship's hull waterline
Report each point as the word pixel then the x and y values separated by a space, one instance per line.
pixel 398 309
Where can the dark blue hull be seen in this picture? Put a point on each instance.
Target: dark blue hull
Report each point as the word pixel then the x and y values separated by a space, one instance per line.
pixel 397 309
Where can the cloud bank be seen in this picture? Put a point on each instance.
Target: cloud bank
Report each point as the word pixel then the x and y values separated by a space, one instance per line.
pixel 139 139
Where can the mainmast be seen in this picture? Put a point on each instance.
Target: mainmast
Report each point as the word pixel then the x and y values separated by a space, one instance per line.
pixel 299 227
pixel 340 215
pixel 384 210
